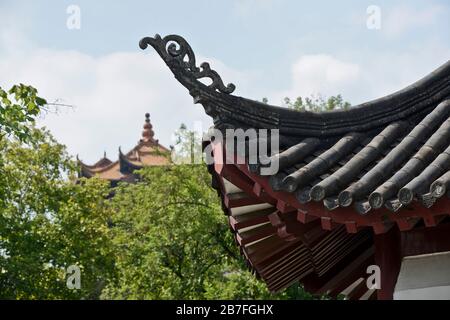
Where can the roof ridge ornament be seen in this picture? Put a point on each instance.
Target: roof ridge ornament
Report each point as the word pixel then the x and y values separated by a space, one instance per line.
pixel 180 58
pixel 147 133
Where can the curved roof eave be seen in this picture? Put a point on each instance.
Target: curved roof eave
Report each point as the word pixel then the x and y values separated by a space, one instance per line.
pixel 225 108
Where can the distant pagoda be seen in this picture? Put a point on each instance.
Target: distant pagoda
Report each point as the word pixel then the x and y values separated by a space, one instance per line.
pixel 147 152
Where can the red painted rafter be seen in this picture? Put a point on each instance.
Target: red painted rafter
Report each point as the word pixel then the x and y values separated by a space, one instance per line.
pixel 347 216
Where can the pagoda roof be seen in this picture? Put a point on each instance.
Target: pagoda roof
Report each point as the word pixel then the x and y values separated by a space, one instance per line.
pixel 382 163
pixel 147 152
pixel 384 153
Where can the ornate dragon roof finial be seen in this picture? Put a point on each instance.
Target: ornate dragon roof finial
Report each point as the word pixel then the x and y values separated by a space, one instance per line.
pixel 179 57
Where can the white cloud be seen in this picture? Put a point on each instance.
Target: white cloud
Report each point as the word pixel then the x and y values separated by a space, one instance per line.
pixel 321 73
pixel 110 93
pixel 361 80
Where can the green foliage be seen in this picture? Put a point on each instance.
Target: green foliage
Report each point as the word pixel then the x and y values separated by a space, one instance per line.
pixel 317 103
pixel 18 108
pixel 165 237
pixel 48 223
pixel 170 236
pixel 172 241
pixel 237 285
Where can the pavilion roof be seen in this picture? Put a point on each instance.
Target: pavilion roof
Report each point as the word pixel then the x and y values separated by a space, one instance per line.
pixel 147 152
pixel 381 163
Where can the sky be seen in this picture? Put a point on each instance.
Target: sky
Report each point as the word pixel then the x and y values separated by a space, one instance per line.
pixel 267 48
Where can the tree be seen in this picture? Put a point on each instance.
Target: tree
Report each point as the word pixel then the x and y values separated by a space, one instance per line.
pixel 171 237
pixel 18 108
pixel 173 242
pixel 318 103
pixel 163 238
pixel 48 222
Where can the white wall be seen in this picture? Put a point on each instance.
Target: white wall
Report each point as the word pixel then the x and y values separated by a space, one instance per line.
pixel 424 277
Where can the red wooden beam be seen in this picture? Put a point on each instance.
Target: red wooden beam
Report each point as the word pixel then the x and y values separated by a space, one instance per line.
pixel 352 227
pixel 347 216
pixel 251 236
pixel 388 257
pixel 305 217
pixel 231 173
pixel 434 220
pixel 234 200
pixel 425 240
pixel 284 207
pixel 405 224
pixel 327 223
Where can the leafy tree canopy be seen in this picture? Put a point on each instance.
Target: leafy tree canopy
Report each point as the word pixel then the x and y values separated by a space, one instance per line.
pixel 172 241
pixel 165 237
pixel 48 222
pixel 18 108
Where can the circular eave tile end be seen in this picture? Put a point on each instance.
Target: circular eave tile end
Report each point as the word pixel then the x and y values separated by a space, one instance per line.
pixel 345 198
pixel 317 193
pixel 405 196
pixel 289 184
pixel 376 200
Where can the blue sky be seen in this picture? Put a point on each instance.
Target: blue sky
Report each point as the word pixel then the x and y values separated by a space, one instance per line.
pixel 267 48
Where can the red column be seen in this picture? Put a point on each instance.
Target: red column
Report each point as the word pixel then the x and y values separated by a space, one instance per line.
pixel 388 257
